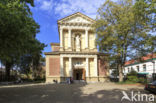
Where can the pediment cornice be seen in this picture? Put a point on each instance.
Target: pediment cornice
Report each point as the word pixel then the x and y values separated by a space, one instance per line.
pixel 76 19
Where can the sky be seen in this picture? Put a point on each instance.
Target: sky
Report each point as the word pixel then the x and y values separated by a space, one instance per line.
pixel 47 12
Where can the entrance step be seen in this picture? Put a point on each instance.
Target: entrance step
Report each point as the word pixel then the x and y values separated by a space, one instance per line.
pixel 79 81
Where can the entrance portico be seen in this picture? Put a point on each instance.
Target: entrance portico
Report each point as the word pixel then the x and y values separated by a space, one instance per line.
pixel 78 61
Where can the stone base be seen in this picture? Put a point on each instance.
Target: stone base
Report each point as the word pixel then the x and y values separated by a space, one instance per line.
pixel 52 79
pixel 103 79
pixel 86 49
pixel 58 79
pixel 78 49
pixel 88 79
pixel 69 49
pixel 95 50
pixel 61 49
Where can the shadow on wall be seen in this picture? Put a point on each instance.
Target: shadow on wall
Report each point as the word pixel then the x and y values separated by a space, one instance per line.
pixel 61 93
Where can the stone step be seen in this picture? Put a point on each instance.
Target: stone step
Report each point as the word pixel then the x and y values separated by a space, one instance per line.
pixel 79 81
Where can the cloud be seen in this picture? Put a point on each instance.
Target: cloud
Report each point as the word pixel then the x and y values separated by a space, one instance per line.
pixel 88 7
pixel 66 7
pixel 45 5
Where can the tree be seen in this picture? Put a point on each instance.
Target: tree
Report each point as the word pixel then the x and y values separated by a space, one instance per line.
pixel 121 31
pixel 17 32
pixel 145 11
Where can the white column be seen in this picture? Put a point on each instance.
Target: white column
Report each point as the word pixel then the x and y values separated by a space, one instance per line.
pixel 69 38
pixel 96 69
pixel 87 68
pixel 70 67
pixel 86 37
pixel 61 37
pixel 61 67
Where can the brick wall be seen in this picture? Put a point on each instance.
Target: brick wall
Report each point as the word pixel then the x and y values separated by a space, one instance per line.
pixel 102 67
pixel 55 48
pixel 54 66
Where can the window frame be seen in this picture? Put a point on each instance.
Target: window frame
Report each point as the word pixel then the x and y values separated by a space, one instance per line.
pixel 144 68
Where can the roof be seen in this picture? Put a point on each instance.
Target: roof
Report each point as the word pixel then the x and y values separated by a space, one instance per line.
pixel 142 59
pixel 75 14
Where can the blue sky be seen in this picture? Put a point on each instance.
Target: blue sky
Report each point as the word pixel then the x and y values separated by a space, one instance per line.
pixel 47 12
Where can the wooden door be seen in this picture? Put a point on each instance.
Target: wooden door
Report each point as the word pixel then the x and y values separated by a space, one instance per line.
pixel 84 74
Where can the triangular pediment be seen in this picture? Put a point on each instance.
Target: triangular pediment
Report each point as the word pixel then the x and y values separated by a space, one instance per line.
pixel 77 18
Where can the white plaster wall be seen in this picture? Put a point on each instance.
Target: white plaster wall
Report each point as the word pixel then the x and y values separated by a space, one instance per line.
pixel 149 67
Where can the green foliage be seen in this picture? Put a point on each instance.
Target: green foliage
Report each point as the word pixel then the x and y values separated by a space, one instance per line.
pixel 133 79
pixel 142 80
pixel 123 30
pixel 18 34
pixel 132 73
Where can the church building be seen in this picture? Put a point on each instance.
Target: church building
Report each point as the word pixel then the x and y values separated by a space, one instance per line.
pixel 76 56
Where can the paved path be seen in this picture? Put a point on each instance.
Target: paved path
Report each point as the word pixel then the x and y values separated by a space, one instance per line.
pixel 64 93
pixel 22 85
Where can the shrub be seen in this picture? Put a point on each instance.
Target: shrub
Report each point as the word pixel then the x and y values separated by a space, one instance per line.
pixel 132 73
pixel 133 79
pixel 142 80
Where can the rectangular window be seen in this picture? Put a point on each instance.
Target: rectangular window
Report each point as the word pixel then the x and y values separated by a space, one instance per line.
pixel 128 69
pixel 144 68
pixel 138 69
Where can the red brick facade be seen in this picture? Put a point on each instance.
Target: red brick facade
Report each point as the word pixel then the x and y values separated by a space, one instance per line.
pixel 54 66
pixel 56 48
pixel 102 67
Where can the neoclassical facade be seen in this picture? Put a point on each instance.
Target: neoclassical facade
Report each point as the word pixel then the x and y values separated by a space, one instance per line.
pixel 76 55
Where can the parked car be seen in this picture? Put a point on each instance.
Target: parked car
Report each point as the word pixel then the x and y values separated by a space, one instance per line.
pixel 151 87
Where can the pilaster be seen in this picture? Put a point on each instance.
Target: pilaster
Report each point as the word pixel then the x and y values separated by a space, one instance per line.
pixel 61 39
pixel 70 67
pixel 95 63
pixel 86 38
pixel 87 68
pixel 69 39
pixel 61 67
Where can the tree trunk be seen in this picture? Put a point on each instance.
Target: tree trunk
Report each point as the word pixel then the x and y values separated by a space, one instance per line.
pixel 7 70
pixel 120 73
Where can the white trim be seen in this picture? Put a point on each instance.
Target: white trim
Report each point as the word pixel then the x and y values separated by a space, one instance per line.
pixel 76 27
pixel 78 56
pixel 96 69
pixel 61 67
pixel 61 38
pixel 87 68
pixel 70 67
